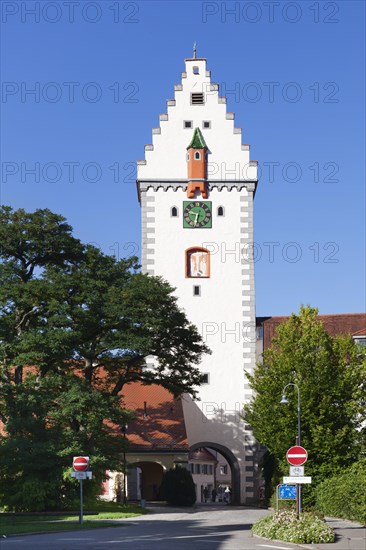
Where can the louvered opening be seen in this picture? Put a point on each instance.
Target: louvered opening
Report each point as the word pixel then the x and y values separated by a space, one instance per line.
pixel 197 98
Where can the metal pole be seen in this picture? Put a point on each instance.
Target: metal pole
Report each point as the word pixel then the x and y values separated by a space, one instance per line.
pixel 298 491
pixel 124 468
pixel 298 442
pixel 81 502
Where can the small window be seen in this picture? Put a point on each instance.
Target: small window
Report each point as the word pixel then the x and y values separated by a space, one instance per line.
pixel 260 332
pixel 210 469
pixel 361 341
pixel 197 155
pixel 205 378
pixel 174 212
pixel 205 469
pixel 187 157
pixel 187 124
pixel 191 468
pixel 197 262
pixel 196 70
pixel 196 290
pixel 197 98
pixel 206 124
pixel 223 469
pixel 220 211
pixel 197 468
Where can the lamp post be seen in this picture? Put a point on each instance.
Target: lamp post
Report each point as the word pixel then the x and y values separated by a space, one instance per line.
pixel 124 428
pixel 298 438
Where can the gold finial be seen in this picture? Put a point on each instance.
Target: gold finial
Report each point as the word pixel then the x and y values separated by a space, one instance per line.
pixel 194 50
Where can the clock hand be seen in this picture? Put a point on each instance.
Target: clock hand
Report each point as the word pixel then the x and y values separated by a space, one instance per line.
pixel 196 220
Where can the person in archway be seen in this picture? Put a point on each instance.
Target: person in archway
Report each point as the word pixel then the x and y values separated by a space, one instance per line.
pixel 214 495
pixel 205 494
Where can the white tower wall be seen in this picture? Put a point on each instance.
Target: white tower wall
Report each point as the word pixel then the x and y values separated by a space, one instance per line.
pixel 224 312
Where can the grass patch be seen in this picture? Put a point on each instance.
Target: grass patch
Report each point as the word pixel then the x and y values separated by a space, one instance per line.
pixel 16 524
pixel 309 529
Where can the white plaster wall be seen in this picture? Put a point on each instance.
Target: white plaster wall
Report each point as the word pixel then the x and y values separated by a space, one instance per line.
pixel 219 309
pixel 227 159
pixel 227 301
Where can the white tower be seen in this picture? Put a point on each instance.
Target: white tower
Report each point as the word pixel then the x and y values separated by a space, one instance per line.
pixel 196 187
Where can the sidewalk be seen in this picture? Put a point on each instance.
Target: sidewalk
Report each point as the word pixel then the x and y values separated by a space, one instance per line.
pixel 349 536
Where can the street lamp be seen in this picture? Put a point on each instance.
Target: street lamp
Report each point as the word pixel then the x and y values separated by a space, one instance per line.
pixel 124 429
pixel 285 402
pixel 298 438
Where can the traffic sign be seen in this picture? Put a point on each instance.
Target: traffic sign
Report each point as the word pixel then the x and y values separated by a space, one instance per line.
pixel 79 475
pixel 80 463
pixel 297 470
pixel 296 456
pixel 287 492
pixel 297 479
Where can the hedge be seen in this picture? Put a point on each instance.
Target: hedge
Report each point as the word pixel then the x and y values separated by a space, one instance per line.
pixel 343 495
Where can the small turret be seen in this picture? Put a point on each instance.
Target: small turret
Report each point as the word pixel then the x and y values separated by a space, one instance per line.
pixel 197 165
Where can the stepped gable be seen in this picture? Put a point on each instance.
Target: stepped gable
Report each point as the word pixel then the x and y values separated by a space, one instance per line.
pixel 196 102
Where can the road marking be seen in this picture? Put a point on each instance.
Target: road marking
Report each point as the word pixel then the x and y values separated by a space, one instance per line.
pixel 84 538
pixel 272 546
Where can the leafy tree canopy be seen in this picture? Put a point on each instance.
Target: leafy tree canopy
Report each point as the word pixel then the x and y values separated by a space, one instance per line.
pixel 330 373
pixel 75 327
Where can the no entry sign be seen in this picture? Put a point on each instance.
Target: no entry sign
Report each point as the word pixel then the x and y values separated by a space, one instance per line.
pixel 296 456
pixel 80 463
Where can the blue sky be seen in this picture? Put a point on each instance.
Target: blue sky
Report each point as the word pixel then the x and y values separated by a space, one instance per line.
pixel 102 71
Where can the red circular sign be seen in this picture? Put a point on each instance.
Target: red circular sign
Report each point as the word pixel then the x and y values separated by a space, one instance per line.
pixel 80 463
pixel 297 455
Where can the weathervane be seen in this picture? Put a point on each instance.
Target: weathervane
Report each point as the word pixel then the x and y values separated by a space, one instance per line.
pixel 194 50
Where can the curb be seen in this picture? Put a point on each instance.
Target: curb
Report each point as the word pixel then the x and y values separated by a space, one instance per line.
pixel 308 546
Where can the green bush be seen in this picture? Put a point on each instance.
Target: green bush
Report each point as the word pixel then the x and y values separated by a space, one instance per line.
pixel 284 526
pixel 177 487
pixel 343 495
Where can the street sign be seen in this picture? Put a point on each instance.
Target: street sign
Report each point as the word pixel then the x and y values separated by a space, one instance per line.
pixel 297 479
pixel 296 456
pixel 297 470
pixel 287 492
pixel 80 463
pixel 79 475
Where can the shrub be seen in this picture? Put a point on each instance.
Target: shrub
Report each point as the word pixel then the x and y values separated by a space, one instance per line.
pixel 177 487
pixel 343 495
pixel 309 529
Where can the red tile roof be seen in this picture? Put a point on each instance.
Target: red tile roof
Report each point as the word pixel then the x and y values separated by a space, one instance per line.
pixel 159 423
pixel 203 455
pixel 338 323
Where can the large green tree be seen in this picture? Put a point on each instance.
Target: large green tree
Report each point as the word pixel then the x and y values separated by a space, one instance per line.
pixel 75 327
pixel 330 373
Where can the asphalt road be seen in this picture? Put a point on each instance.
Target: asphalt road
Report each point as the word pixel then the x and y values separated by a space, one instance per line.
pixel 211 527
pixel 204 527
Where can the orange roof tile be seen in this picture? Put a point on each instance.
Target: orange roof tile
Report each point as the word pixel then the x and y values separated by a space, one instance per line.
pixel 334 324
pixel 202 454
pixel 159 422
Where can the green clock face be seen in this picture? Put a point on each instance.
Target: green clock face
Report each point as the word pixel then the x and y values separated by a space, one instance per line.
pixel 197 214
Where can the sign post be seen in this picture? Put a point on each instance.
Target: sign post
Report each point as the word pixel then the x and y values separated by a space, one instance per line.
pixel 297 456
pixel 80 465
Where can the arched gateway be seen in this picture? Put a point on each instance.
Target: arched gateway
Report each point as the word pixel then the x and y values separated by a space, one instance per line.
pixel 233 464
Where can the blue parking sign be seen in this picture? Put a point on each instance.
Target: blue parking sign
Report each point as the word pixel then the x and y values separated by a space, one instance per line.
pixel 287 492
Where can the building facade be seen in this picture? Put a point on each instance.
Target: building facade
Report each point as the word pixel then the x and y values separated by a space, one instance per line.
pixel 196 187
